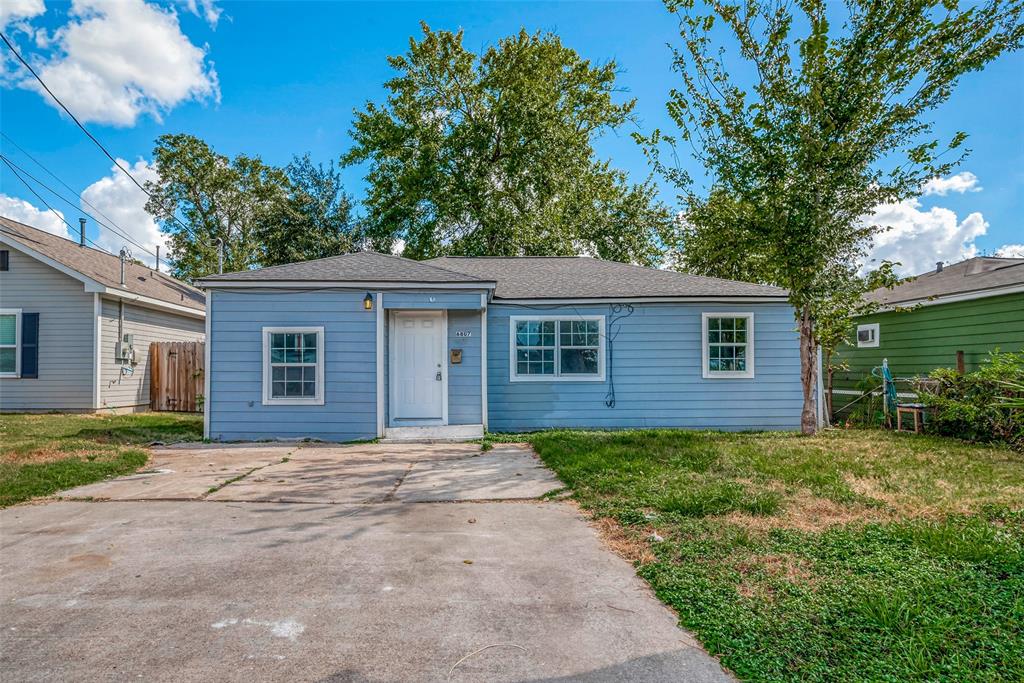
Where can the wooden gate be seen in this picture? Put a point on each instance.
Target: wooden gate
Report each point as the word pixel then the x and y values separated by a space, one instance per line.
pixel 176 376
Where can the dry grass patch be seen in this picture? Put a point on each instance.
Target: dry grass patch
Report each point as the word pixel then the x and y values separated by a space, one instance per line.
pixel 629 544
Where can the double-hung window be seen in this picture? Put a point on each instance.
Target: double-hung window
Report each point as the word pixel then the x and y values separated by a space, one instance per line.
pixel 293 365
pixel 10 342
pixel 728 345
pixel 552 348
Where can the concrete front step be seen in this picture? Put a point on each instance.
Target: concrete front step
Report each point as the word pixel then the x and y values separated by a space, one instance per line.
pixel 433 434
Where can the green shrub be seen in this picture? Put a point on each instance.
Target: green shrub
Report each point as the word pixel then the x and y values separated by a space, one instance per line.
pixel 984 405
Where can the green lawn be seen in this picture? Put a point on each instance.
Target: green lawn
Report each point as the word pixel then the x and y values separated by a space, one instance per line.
pixel 852 555
pixel 43 454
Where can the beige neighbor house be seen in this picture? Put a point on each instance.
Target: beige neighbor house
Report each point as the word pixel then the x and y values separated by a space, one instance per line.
pixel 75 331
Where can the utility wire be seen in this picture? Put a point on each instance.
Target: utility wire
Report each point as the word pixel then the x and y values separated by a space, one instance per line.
pixel 85 130
pixel 31 189
pixel 113 225
pixel 117 231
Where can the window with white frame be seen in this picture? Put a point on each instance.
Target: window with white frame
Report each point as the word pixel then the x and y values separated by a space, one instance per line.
pixel 10 342
pixel 549 348
pixel 728 346
pixel 293 365
pixel 867 335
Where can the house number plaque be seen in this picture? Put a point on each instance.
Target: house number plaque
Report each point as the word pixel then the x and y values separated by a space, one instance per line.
pixel 463 333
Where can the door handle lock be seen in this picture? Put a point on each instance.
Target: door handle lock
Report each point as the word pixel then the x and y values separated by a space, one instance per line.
pixel 438 376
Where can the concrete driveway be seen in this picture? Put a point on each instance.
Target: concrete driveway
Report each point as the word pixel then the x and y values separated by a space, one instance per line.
pixel 314 564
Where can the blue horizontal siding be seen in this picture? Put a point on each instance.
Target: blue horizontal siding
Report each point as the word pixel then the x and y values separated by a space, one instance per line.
pixel 236 357
pixel 464 400
pixel 464 300
pixel 658 380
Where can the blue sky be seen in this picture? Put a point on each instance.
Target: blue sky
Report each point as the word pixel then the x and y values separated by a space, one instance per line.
pixel 275 79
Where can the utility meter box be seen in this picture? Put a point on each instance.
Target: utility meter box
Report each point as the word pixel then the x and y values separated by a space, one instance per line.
pixel 125 350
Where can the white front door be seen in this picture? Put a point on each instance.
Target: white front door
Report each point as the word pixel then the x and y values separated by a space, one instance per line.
pixel 417 367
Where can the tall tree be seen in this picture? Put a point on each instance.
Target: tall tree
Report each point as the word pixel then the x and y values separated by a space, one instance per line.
pixel 317 221
pixel 830 124
pixel 493 154
pixel 218 199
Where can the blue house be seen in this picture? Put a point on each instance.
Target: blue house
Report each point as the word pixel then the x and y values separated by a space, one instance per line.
pixel 370 345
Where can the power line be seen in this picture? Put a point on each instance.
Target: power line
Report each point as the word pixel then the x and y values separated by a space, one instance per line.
pixel 118 231
pixel 85 130
pixel 71 190
pixel 31 189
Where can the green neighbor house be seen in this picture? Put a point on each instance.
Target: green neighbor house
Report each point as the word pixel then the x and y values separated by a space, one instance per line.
pixel 968 308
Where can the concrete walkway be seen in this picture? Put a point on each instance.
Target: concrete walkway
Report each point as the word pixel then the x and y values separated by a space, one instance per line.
pixel 348 582
pixel 360 473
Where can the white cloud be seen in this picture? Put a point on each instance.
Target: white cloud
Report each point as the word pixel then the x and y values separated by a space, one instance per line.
pixel 207 9
pixel 118 60
pixel 918 239
pixel 1010 251
pixel 24 212
pixel 120 201
pixel 19 10
pixel 965 181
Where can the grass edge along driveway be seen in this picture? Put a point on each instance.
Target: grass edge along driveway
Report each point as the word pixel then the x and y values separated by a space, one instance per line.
pixel 41 454
pixel 851 555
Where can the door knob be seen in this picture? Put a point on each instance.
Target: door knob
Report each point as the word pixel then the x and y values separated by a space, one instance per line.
pixel 438 376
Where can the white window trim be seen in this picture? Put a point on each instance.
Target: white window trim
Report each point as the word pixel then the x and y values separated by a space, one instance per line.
pixel 317 400
pixel 16 312
pixel 726 374
pixel 513 376
pixel 871 344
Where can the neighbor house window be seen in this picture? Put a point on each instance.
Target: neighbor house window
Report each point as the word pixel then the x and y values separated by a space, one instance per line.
pixel 293 365
pixel 546 348
pixel 867 335
pixel 728 348
pixel 10 342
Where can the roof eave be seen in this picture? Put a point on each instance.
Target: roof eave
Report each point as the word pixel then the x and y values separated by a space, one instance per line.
pixel 216 282
pixel 681 298
pixel 952 298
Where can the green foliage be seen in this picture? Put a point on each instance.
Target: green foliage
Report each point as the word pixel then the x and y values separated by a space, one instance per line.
pixel 492 154
pixel 317 222
pixel 218 199
pixel 918 579
pixel 265 215
pixel 830 123
pixel 984 405
pixel 30 480
pixel 43 454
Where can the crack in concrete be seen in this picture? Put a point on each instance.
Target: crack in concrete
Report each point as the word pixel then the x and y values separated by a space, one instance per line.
pixel 240 477
pixel 390 497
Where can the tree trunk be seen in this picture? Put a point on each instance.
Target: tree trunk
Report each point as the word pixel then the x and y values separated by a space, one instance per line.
pixel 808 371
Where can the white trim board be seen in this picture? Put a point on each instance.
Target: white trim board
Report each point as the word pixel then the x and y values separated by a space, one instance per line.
pixel 97 357
pixel 207 371
pixel 380 360
pixel 483 360
pixel 953 298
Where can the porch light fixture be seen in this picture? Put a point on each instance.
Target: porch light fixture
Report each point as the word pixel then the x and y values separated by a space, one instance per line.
pixel 368 302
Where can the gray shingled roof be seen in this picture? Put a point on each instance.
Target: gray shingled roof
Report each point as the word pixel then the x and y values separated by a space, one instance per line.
pixel 103 267
pixel 363 266
pixel 573 277
pixel 973 275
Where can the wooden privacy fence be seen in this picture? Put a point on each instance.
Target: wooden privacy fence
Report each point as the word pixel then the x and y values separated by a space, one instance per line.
pixel 176 376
